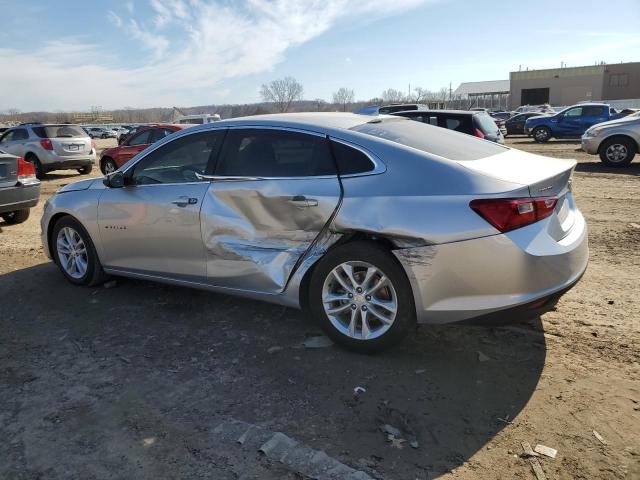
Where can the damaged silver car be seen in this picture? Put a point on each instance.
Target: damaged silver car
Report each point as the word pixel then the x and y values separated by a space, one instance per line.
pixel 370 224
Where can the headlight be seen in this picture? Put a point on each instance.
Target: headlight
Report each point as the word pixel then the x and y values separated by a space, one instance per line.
pixel 592 132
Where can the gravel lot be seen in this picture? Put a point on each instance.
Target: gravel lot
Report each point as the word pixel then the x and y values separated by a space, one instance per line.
pixel 132 381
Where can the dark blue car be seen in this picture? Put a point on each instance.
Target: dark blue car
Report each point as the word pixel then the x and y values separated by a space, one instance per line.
pixel 571 122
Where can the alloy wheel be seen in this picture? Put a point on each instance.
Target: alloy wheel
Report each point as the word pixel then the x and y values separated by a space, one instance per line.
pixel 109 167
pixel 359 300
pixel 616 153
pixel 72 252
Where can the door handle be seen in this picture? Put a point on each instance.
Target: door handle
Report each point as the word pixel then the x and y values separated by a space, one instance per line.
pixel 184 201
pixel 302 201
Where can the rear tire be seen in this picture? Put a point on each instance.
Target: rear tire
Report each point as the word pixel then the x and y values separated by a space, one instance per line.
pixel 19 216
pixel 36 164
pixel 360 314
pixel 541 134
pixel 74 253
pixel 617 151
pixel 85 170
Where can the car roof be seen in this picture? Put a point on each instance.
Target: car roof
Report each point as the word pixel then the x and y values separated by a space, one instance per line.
pixel 331 120
pixel 448 112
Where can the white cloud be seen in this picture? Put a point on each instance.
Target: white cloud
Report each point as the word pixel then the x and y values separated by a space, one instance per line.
pixel 196 45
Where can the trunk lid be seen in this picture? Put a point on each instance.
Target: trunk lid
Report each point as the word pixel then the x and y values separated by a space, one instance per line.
pixel 8 170
pixel 544 176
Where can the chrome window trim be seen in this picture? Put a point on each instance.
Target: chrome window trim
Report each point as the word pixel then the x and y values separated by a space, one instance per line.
pixel 379 166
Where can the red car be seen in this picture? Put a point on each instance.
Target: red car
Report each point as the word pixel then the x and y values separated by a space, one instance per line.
pixel 113 158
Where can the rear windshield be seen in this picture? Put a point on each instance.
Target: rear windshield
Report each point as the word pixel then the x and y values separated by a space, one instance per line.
pixel 59 131
pixel 485 122
pixel 438 141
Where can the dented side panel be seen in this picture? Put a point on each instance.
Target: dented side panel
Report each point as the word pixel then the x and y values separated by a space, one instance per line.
pixel 255 231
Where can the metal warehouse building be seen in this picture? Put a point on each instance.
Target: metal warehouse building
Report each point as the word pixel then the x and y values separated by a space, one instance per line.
pixel 569 85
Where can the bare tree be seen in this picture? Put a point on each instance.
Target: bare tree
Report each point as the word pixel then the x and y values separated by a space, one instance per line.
pixel 392 95
pixel 344 96
pixel 13 114
pixel 282 93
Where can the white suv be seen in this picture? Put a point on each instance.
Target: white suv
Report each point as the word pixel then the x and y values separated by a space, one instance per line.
pixel 51 147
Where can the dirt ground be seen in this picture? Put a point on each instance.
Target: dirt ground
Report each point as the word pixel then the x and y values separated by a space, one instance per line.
pixel 132 381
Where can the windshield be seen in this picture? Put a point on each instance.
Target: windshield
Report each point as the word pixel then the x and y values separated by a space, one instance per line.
pixel 430 139
pixel 59 131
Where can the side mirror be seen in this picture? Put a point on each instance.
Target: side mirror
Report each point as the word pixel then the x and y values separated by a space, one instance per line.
pixel 115 180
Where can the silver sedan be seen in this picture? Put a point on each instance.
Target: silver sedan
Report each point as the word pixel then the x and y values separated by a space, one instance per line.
pixel 370 224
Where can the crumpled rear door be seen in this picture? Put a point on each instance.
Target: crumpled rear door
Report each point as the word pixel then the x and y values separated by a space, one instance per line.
pixel 254 231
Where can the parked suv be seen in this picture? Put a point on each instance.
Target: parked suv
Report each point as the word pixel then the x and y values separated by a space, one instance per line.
pixel 51 147
pixel 515 124
pixel 472 122
pixel 616 141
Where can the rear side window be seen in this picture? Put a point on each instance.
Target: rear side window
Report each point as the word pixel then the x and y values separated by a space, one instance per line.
pixel 458 123
pixel 350 160
pixel 438 141
pixel 275 153
pixel 59 131
pixel 485 123
pixel 592 111
pixel 20 134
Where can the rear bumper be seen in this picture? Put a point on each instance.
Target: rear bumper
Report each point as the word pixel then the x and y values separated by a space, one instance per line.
pixel 521 271
pixel 53 161
pixel 19 198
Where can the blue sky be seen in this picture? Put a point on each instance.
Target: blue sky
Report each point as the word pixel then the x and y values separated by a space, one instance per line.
pixel 73 54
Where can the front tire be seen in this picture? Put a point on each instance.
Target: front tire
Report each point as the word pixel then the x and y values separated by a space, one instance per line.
pixel 361 297
pixel 74 253
pixel 85 170
pixel 108 166
pixel 618 151
pixel 19 216
pixel 541 134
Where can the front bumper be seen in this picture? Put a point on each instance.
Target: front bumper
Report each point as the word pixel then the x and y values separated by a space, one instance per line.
pixel 19 197
pixel 490 275
pixel 591 145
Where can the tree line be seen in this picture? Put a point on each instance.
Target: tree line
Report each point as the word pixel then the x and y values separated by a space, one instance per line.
pixel 279 96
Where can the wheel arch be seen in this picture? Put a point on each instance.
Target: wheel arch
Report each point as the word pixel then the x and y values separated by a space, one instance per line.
pixel 619 135
pixel 104 159
pixel 52 222
pixel 387 243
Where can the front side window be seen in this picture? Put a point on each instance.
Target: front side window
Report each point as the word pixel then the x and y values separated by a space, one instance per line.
pixel 275 153
pixel 574 112
pixel 141 139
pixel 7 137
pixel 179 161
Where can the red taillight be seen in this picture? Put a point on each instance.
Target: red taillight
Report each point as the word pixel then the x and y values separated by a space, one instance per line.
pixel 46 144
pixel 478 133
pixel 510 213
pixel 26 171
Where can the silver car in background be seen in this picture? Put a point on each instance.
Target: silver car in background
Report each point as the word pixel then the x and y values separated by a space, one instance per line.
pixel 370 224
pixel 51 147
pixel 616 141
